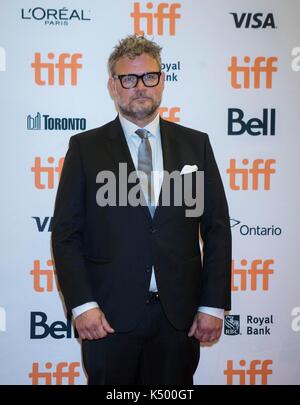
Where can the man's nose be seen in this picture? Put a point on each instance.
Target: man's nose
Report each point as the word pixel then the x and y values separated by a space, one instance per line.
pixel 140 84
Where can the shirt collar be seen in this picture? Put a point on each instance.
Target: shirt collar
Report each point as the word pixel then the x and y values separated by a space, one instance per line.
pixel 129 128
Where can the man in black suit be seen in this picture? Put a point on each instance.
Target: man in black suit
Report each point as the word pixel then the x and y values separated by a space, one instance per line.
pixel 133 276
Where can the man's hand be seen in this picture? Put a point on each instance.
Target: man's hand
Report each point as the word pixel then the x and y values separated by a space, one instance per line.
pixel 206 328
pixel 92 324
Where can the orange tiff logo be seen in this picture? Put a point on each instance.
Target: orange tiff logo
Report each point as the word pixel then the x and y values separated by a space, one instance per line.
pixel 165 12
pixel 66 63
pixel 260 169
pixel 241 74
pixel 245 279
pixel 249 376
pixel 44 176
pixel 169 114
pixel 48 276
pixel 63 374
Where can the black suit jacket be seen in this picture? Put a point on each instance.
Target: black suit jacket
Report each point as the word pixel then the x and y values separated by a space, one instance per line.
pixel 105 254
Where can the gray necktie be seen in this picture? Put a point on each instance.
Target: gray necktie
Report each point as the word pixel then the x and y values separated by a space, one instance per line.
pixel 145 165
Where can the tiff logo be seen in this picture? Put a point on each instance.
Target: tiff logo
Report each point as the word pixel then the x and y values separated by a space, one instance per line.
pixel 260 169
pixel 2 319
pixel 165 12
pixel 61 67
pixel 257 369
pixel 259 269
pixel 241 75
pixel 2 60
pixel 64 373
pixel 296 321
pixel 47 275
pixel 296 60
pixel 169 114
pixel 48 172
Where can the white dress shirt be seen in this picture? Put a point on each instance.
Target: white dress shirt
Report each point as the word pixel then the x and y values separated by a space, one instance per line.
pixel 133 142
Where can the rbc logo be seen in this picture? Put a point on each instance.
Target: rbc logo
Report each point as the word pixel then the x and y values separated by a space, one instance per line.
pixel 232 325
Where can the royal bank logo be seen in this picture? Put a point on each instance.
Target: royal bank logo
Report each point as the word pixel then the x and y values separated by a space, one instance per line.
pixel 55 16
pixel 172 71
pixel 47 123
pixel 253 325
pixel 232 325
pixel 255 230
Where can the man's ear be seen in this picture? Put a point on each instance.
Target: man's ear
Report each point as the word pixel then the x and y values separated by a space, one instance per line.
pixel 111 87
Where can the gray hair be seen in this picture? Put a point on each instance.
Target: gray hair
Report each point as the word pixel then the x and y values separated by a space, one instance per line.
pixel 131 47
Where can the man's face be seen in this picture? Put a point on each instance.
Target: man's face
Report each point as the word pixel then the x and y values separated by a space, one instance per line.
pixel 141 102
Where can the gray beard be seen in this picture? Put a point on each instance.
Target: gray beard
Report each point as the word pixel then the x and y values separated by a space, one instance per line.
pixel 139 114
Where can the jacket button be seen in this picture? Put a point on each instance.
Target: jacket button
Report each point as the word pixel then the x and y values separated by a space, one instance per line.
pixel 153 230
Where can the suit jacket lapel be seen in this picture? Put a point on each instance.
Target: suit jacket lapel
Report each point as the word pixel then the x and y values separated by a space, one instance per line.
pixel 171 161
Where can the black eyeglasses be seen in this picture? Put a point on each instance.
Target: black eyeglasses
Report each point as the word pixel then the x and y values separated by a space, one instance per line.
pixel 150 79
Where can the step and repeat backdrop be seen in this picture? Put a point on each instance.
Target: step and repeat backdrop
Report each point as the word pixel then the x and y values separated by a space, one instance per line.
pixel 232 70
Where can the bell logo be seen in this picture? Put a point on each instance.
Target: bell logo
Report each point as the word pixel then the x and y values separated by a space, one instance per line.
pixel 65 373
pixel 46 274
pixel 296 321
pixel 61 67
pixel 2 60
pixel 169 114
pixel 261 65
pixel 249 376
pixel 161 16
pixel 48 171
pixel 260 169
pixel 2 320
pixel 296 60
pixel 246 279
pixel 254 126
